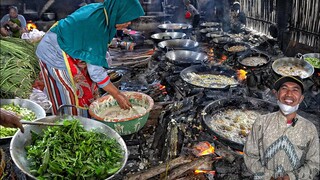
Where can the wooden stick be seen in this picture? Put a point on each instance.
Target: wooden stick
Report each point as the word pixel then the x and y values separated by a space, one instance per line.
pixel 192 165
pixel 160 169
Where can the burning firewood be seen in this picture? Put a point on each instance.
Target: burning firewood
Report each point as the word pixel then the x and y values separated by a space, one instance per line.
pixel 160 169
pixel 192 165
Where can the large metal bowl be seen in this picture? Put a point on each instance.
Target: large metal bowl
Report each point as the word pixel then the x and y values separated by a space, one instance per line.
pixel 24 103
pixel 21 140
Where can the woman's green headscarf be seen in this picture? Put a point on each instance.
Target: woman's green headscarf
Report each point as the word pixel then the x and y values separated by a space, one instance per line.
pixel 86 33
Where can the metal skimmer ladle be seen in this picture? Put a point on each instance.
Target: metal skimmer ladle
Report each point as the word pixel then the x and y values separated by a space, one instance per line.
pixel 40 123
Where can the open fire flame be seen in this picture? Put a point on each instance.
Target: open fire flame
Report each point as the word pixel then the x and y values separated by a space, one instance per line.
pixel 240 152
pixel 31 25
pixel 198 171
pixel 211 52
pixel 223 58
pixel 161 88
pixel 203 148
pixel 241 74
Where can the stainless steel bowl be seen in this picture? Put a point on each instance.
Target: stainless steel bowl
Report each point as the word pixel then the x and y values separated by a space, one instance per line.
pixel 24 103
pixel 21 140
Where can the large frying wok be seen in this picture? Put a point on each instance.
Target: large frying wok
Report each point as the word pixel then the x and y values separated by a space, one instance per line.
pixel 174 27
pixel 247 103
pixel 185 57
pixel 222 40
pixel 178 44
pixel 167 36
pixel 21 140
pixel 210 24
pixel 215 70
pixel 289 62
pixel 252 57
pixel 230 45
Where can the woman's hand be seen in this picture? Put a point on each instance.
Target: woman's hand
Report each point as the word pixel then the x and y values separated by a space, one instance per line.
pixel 123 101
pixel 9 119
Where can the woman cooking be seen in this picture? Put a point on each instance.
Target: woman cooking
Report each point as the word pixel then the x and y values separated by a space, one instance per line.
pixel 72 55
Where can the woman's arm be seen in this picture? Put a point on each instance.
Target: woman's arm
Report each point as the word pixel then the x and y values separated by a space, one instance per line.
pixel 99 75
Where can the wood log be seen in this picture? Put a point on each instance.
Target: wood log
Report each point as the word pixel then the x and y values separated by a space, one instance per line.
pixel 183 168
pixel 160 169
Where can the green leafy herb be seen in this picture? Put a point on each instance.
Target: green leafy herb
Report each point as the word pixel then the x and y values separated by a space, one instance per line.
pixel 315 62
pixel 24 113
pixel 71 152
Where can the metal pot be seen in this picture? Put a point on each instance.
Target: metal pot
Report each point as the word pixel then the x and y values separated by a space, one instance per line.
pixel 311 55
pixel 222 40
pixel 182 57
pixel 178 44
pixel 48 16
pixel 290 62
pixel 167 36
pixel 180 27
pixel 20 140
pixel 218 106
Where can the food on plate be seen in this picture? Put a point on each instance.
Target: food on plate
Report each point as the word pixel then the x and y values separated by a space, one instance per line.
pixel 315 62
pixel 24 113
pixel 71 152
pixel 237 48
pixel 211 80
pixel 292 70
pixel 254 61
pixel 234 124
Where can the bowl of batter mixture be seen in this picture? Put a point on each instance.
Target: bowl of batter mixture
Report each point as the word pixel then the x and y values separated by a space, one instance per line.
pixel 125 122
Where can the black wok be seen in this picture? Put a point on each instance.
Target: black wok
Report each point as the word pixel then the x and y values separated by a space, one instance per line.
pixel 252 56
pixel 167 36
pixel 222 40
pixel 263 107
pixel 229 45
pixel 178 44
pixel 215 70
pixel 185 57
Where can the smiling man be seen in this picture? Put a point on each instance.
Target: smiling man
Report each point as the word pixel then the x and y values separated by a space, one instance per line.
pixel 283 145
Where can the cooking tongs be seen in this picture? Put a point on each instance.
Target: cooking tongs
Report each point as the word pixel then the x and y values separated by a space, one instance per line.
pixel 40 123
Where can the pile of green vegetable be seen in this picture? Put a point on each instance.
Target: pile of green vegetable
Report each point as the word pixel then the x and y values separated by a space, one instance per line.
pixel 315 62
pixel 71 152
pixel 18 69
pixel 24 113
